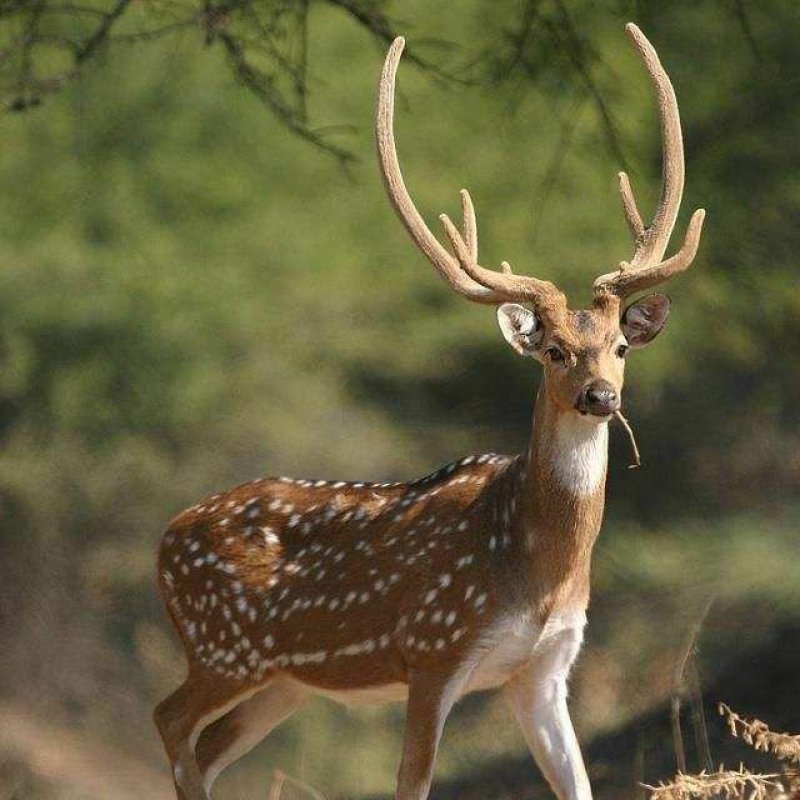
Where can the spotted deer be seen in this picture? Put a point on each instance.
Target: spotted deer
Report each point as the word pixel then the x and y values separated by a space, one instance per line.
pixel 472 578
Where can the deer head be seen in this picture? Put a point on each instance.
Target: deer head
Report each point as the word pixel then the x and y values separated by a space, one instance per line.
pixel 582 352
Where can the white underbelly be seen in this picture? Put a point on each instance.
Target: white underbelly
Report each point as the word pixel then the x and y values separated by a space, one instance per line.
pixel 370 695
pixel 505 648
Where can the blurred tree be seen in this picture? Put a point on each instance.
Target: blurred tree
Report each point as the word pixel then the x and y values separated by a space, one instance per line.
pixel 47 44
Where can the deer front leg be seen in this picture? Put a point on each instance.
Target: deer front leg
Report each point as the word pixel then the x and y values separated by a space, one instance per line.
pixel 538 697
pixel 430 698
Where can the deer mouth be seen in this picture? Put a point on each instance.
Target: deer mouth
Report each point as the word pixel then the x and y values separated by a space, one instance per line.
pixel 596 416
pixel 603 416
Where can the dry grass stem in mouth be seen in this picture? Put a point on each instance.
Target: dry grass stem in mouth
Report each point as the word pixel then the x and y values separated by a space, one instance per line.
pixel 729 784
pixel 757 734
pixel 637 460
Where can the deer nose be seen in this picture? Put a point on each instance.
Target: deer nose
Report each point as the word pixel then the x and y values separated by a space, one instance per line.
pixel 599 398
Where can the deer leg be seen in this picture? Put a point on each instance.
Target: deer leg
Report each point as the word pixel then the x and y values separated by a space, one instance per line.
pixel 538 697
pixel 181 718
pixel 547 727
pixel 244 726
pixel 430 698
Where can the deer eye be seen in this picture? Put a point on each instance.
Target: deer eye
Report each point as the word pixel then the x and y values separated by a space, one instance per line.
pixel 621 350
pixel 555 355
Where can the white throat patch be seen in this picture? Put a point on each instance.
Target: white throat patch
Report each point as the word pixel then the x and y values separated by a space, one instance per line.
pixel 579 453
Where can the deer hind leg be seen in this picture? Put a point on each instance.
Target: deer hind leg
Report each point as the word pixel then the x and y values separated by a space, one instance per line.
pixel 181 718
pixel 430 699
pixel 231 736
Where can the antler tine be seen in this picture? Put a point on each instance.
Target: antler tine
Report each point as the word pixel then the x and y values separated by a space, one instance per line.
pixel 655 239
pixel 401 200
pixel 515 287
pixel 627 281
pixel 462 272
pixel 469 224
pixel 632 215
pixel 646 268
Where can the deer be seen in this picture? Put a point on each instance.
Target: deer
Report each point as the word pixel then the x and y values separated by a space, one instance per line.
pixel 474 577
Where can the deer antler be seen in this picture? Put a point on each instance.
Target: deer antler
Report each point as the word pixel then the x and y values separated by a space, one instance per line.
pixel 646 268
pixel 463 272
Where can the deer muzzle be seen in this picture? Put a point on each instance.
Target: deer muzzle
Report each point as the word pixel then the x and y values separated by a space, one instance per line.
pixel 598 398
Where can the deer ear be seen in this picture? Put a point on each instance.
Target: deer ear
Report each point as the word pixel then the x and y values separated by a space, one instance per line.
pixel 644 319
pixel 521 327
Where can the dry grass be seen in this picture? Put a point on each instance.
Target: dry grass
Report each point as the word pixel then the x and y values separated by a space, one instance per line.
pixel 742 784
pixel 729 784
pixel 784 746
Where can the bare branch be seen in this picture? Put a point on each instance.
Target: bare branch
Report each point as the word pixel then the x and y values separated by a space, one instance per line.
pixel 102 32
pixel 261 85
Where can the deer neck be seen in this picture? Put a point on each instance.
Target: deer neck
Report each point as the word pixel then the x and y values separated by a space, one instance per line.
pixel 568 453
pixel 562 499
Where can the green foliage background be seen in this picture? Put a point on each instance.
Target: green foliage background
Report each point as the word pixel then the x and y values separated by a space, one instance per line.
pixel 191 297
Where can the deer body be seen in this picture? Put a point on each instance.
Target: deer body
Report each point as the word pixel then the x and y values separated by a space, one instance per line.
pixel 475 577
pixel 392 577
pixel 345 589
